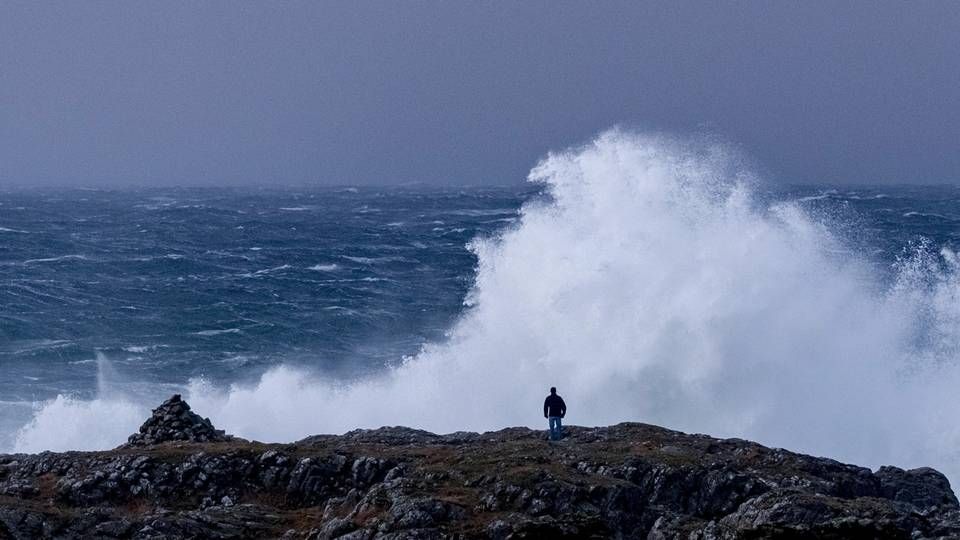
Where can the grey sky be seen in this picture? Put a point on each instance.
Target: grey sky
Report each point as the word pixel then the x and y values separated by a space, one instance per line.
pixel 140 93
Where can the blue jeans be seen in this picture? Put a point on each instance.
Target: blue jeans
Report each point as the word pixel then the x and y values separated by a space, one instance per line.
pixel 556 430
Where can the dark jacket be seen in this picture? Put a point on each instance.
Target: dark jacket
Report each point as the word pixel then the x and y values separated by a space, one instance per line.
pixel 554 406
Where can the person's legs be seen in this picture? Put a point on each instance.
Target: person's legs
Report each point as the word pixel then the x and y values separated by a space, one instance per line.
pixel 554 428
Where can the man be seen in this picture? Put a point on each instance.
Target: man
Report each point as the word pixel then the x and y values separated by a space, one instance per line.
pixel 553 410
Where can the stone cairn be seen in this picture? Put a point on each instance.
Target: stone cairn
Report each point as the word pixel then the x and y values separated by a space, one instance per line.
pixel 174 421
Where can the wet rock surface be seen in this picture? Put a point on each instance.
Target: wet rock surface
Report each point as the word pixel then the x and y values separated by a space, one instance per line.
pixel 181 478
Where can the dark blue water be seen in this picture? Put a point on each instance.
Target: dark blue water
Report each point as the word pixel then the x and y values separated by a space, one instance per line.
pixel 171 284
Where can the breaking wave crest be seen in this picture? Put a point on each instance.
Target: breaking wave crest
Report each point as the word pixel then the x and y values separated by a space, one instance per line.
pixel 650 285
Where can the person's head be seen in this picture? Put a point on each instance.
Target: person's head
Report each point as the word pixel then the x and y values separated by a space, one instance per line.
pixel 553 390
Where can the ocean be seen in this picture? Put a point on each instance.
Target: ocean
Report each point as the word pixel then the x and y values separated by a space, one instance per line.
pixel 645 283
pixel 156 287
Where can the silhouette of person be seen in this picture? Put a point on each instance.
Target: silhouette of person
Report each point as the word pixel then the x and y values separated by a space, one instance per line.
pixel 553 410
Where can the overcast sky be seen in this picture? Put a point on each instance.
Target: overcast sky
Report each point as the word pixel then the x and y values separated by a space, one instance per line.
pixel 136 93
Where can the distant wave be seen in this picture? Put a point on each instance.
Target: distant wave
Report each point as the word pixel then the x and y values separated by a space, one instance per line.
pixel 217 332
pixel 42 344
pixel 57 259
pixel 927 214
pixel 832 193
pixel 868 198
pixel 483 212
pixel 266 271
pixel 138 349
pixel 376 260
pixel 168 257
pixel 820 196
pixel 324 267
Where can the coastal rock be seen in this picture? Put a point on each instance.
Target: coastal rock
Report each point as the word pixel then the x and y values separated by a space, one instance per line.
pixel 623 481
pixel 174 421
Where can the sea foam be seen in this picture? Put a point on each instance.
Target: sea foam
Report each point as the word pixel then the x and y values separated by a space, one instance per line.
pixel 650 285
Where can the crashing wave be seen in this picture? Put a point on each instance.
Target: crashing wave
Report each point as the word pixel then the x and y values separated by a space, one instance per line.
pixel 651 285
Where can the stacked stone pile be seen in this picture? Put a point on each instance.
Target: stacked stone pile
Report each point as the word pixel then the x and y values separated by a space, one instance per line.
pixel 174 421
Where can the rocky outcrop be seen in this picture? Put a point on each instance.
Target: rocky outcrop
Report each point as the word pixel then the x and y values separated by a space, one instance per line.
pixel 174 421
pixel 623 481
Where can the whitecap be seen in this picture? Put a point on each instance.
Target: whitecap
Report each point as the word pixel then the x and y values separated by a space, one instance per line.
pixel 217 332
pixel 42 344
pixel 376 260
pixel 266 271
pixel 818 197
pixel 926 214
pixel 482 212
pixel 56 259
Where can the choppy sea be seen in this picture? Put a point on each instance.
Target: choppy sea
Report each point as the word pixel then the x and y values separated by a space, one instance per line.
pixel 172 284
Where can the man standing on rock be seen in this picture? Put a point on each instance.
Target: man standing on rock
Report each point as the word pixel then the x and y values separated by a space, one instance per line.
pixel 553 410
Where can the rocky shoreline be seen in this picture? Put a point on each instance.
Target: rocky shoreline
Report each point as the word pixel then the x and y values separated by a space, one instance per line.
pixel 179 477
